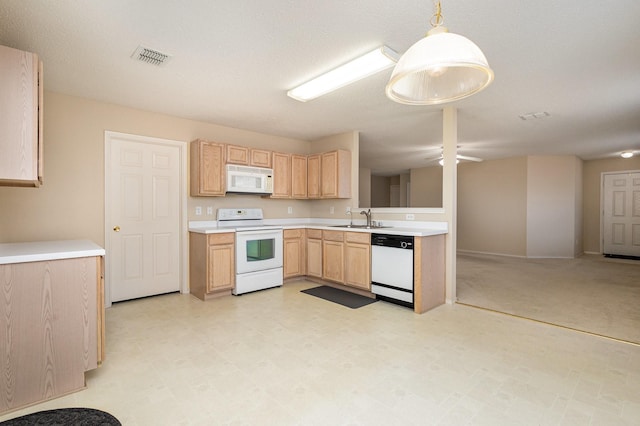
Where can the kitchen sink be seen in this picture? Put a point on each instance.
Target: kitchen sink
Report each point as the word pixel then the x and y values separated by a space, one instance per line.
pixel 360 226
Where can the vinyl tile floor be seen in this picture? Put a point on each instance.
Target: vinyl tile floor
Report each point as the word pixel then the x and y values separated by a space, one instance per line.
pixel 281 357
pixel 590 293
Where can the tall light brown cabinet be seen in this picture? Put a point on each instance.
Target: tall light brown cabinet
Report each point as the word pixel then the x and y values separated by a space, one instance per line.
pixel 21 118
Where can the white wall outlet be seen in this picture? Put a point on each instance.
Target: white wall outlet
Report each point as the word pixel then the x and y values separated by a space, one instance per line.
pixel 332 210
pixel 410 216
pixel 348 210
pixel 210 211
pixel 290 210
pixel 198 211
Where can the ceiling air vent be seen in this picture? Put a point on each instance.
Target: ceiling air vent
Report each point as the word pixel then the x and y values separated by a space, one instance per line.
pixel 150 56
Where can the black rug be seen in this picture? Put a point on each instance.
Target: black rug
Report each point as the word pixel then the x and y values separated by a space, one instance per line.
pixel 341 297
pixel 65 417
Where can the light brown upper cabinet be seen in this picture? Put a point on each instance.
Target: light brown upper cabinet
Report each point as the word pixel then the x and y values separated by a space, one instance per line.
pixel 260 158
pixel 207 168
pixel 237 155
pixel 281 175
pixel 248 156
pixel 313 176
pixel 335 174
pixel 21 117
pixel 298 176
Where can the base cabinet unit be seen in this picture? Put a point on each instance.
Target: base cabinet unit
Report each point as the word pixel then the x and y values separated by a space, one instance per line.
pixel 357 260
pixel 207 168
pixel 294 246
pixel 51 328
pixel 21 118
pixel 333 256
pixel 428 272
pixel 314 253
pixel 211 264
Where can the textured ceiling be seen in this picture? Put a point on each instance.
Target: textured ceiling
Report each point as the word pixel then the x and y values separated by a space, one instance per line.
pixel 232 63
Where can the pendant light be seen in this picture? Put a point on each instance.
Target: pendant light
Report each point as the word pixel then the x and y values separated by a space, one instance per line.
pixel 442 67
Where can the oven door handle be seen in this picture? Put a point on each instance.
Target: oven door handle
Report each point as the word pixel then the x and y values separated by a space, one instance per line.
pixel 263 232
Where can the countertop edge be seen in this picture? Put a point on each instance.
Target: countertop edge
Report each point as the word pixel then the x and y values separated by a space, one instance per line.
pixel 48 250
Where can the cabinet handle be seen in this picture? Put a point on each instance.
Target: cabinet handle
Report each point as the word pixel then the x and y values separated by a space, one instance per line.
pixel 116 228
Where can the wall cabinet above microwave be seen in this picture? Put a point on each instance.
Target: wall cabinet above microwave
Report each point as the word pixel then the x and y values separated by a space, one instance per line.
pixel 21 143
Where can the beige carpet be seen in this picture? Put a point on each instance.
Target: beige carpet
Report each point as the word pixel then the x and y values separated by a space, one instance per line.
pixel 590 293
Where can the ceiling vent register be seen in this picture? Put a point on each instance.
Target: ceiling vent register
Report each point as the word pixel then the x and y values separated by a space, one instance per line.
pixel 150 56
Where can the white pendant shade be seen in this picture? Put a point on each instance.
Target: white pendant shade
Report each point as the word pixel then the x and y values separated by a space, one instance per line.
pixel 442 67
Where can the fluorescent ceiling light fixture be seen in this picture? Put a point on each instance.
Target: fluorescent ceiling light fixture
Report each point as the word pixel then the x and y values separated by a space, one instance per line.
pixel 364 66
pixel 627 154
pixel 442 67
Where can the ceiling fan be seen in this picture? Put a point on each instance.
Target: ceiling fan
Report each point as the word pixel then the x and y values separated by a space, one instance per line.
pixel 440 158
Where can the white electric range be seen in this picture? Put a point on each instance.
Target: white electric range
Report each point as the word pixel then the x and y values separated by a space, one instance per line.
pixel 258 249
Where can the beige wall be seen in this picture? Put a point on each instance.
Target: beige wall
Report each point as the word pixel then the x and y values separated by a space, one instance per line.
pixel 492 206
pixel 552 213
pixel 380 191
pixel 426 187
pixel 592 172
pixel 70 204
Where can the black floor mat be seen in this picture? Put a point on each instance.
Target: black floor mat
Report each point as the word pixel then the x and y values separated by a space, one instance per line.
pixel 341 297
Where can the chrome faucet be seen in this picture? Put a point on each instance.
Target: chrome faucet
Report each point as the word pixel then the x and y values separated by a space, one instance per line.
pixel 367 213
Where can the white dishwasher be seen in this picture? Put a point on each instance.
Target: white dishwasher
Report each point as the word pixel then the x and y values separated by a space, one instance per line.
pixel 392 268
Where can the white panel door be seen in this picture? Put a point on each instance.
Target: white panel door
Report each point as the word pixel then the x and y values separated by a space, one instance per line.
pixel 144 216
pixel 621 213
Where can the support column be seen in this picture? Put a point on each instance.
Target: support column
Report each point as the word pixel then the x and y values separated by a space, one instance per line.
pixel 450 196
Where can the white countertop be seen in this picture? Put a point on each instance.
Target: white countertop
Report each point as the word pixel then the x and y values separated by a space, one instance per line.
pixel 48 250
pixel 416 229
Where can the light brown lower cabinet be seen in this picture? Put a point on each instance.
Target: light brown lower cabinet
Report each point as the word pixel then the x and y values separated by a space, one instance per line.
pixel 357 260
pixel 51 328
pixel 211 264
pixel 333 256
pixel 314 253
pixel 294 258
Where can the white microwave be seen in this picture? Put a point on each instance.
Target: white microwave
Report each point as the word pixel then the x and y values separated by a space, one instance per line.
pixel 249 180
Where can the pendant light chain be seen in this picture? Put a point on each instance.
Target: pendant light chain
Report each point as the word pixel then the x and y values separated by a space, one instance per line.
pixel 437 19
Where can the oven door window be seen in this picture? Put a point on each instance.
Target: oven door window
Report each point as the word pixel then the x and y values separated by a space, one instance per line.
pixel 258 250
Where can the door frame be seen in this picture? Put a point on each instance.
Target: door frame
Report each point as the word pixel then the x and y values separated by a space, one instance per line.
pixel 602 175
pixel 183 234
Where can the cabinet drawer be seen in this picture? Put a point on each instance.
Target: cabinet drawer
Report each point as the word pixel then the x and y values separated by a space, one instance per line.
pixel 333 235
pixel 226 238
pixel 315 234
pixel 293 233
pixel 357 237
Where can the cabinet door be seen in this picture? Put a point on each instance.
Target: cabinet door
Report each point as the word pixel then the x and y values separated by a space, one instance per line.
pixel 313 176
pixel 260 158
pixel 333 261
pixel 335 170
pixel 293 257
pixel 314 258
pixel 237 155
pixel 207 168
pixel 357 264
pixel 20 118
pixel 220 274
pixel 298 176
pixel 281 175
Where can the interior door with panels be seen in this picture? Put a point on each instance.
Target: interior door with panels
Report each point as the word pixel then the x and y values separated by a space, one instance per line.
pixel 621 213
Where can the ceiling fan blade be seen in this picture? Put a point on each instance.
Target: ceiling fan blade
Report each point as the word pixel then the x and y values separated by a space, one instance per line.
pixel 464 157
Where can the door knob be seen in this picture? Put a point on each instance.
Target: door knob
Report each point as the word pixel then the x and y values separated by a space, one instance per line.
pixel 116 228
